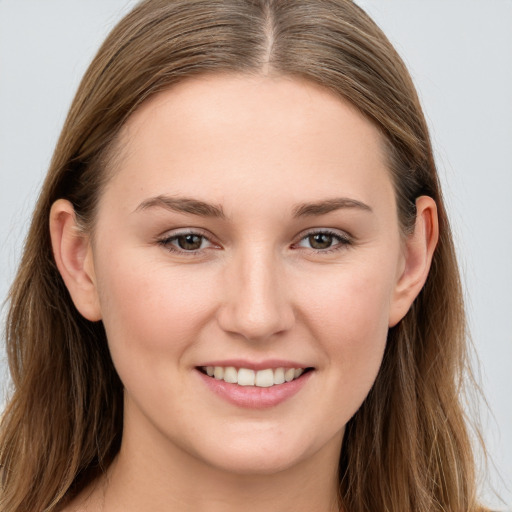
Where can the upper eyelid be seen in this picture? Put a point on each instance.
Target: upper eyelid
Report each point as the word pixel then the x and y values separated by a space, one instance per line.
pixel 169 234
pixel 205 234
pixel 332 231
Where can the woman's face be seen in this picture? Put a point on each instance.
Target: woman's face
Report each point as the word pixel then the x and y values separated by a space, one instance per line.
pixel 250 226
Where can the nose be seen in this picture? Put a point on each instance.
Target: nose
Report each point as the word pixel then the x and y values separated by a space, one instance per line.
pixel 256 304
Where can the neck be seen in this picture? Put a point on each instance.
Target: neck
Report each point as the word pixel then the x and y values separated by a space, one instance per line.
pixel 156 476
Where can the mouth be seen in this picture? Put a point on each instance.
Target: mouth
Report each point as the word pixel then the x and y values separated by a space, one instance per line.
pixel 264 378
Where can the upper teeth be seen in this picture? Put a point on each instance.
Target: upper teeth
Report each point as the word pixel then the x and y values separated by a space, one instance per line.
pixel 248 377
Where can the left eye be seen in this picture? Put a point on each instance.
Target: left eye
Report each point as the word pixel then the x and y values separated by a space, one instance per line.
pixel 323 240
pixel 190 242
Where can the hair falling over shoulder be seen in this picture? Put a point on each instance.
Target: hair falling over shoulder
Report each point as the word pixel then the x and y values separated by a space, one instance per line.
pixel 62 426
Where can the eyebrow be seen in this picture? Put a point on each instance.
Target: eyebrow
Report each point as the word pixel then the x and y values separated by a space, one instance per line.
pixel 183 205
pixel 327 206
pixel 203 209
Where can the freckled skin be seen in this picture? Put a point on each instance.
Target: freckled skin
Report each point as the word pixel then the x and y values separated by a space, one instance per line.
pixel 257 147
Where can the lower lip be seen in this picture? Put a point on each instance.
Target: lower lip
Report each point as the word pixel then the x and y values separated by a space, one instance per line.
pixel 253 397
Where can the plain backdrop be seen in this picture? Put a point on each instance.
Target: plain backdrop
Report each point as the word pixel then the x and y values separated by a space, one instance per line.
pixel 460 57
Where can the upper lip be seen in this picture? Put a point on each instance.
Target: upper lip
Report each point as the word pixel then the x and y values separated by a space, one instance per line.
pixel 255 365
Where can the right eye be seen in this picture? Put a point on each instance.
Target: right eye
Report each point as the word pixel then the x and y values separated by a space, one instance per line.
pixel 185 243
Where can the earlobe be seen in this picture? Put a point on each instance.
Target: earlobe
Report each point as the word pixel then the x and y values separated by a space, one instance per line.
pixel 73 256
pixel 419 250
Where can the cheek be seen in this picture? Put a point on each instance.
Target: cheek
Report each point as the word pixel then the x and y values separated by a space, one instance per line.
pixel 352 305
pixel 150 310
pixel 348 315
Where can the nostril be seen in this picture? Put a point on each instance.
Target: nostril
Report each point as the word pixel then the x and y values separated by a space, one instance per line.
pixel 255 325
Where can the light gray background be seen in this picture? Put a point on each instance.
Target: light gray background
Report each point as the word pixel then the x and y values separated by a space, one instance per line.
pixel 460 55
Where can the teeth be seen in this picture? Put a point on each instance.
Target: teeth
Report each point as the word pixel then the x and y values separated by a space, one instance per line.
pixel 264 378
pixel 230 375
pixel 289 374
pixel 278 375
pixel 246 377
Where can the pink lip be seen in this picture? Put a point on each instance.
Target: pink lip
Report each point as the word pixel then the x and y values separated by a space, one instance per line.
pixel 255 365
pixel 253 397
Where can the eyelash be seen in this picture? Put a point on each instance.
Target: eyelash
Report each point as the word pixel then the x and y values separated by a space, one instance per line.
pixel 343 241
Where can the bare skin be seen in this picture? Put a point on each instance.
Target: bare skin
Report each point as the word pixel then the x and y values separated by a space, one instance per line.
pixel 249 219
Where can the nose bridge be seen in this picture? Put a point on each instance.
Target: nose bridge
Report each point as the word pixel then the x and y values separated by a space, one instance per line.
pixel 256 305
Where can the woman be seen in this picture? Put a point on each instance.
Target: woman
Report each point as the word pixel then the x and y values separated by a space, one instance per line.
pixel 239 288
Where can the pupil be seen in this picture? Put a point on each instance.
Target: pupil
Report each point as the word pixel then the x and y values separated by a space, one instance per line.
pixel 320 241
pixel 189 242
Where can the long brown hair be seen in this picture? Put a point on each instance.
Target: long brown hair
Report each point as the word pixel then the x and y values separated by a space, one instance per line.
pixel 407 448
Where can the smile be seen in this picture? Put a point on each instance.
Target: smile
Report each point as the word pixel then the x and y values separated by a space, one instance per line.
pixel 247 377
pixel 266 384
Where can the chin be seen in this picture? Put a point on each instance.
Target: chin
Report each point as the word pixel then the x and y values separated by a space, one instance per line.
pixel 251 454
pixel 256 462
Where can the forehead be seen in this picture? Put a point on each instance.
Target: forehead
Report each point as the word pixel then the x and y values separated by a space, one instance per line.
pixel 273 138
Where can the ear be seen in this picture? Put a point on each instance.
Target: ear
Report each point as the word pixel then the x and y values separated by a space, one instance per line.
pixel 418 251
pixel 73 255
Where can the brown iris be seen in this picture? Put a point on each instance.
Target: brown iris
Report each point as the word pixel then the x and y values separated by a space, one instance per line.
pixel 320 240
pixel 189 242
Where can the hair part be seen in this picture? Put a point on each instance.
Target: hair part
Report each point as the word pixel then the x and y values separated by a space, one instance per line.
pixel 63 424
